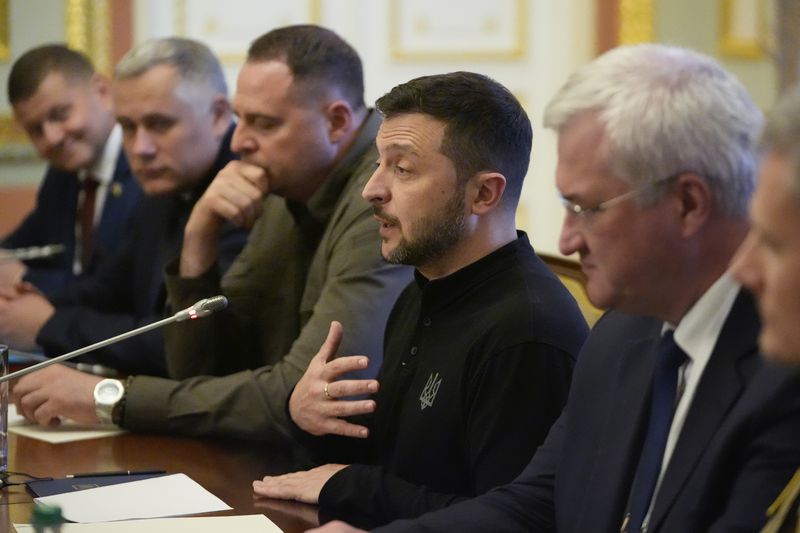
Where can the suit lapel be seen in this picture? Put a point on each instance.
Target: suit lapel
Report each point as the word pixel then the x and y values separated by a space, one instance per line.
pixel 618 452
pixel 720 386
pixel 121 199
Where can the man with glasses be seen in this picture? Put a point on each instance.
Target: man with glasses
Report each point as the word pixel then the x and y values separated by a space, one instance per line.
pixel 674 423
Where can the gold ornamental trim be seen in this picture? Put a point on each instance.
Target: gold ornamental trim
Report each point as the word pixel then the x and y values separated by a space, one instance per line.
pixel 636 21
pixel 89 30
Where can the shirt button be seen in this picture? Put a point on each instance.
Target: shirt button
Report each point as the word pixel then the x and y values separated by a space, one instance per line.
pixel 413 350
pixel 426 321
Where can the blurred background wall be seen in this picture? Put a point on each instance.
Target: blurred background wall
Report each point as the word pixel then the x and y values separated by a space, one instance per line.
pixel 531 46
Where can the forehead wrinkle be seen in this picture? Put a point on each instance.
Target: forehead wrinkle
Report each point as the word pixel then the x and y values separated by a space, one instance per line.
pixel 403 147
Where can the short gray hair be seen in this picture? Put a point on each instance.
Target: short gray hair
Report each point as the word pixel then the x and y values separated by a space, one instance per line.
pixel 782 132
pixel 195 62
pixel 668 110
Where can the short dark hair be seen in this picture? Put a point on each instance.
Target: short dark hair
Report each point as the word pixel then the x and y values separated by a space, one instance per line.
pixel 317 58
pixel 32 67
pixel 486 128
pixel 782 133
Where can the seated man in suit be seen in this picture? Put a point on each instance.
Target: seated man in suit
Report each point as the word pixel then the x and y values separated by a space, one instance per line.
pixel 674 423
pixel 768 263
pixel 88 193
pixel 479 349
pixel 307 142
pixel 171 102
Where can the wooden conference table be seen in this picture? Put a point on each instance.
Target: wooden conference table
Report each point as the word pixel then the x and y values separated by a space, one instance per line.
pixel 225 468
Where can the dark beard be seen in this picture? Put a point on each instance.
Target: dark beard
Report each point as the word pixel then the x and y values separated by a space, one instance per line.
pixel 436 235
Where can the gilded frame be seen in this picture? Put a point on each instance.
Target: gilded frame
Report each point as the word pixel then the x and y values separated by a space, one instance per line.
pixel 515 21
pixel 748 45
pixel 636 21
pixel 4 46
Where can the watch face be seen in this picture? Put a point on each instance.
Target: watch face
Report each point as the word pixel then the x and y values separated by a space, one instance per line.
pixel 108 392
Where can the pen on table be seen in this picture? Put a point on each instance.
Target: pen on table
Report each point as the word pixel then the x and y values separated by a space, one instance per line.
pixel 116 473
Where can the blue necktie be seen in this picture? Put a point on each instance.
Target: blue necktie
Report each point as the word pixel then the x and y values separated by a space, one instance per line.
pixel 662 407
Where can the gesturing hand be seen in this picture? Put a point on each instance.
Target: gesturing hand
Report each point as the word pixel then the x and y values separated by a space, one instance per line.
pixel 318 402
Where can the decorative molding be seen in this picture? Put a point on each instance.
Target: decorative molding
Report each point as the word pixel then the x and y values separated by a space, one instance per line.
pixel 635 21
pixel 233 51
pixel 499 35
pixel 14 144
pixel 89 30
pixel 743 28
pixel 4 46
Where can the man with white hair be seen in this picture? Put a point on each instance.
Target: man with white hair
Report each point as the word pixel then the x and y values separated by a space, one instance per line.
pixel 674 423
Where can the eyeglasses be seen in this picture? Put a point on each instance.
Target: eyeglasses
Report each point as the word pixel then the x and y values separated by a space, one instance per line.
pixel 586 213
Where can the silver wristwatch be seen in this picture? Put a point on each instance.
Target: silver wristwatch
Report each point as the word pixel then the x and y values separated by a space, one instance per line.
pixel 107 395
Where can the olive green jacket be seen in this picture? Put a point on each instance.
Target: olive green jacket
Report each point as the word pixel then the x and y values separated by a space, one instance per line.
pixel 304 265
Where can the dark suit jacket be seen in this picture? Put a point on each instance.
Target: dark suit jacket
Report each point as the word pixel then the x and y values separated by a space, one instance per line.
pixel 129 291
pixel 737 449
pixel 53 222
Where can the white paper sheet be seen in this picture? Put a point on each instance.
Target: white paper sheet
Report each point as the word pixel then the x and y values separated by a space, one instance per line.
pixel 172 495
pixel 207 524
pixel 67 431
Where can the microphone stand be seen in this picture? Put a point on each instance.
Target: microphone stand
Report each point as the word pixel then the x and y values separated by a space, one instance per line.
pixel 200 309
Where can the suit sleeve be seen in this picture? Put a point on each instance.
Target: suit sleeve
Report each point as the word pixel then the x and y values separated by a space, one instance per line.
pixel 98 307
pixel 101 306
pixel 359 290
pixel 45 225
pixel 767 462
pixel 518 394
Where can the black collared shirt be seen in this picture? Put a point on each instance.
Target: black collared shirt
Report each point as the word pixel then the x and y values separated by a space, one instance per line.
pixel 477 366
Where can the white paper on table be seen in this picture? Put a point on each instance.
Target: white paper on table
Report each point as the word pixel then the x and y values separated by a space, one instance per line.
pixel 255 523
pixel 67 431
pixel 172 495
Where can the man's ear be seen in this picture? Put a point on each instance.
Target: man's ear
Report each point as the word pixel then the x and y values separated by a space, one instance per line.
pixel 487 190
pixel 220 115
pixel 694 201
pixel 101 86
pixel 340 118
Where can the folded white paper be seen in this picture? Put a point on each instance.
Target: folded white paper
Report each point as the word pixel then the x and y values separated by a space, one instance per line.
pixel 67 431
pixel 172 495
pixel 206 524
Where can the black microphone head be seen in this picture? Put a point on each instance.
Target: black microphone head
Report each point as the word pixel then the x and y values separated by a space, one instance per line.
pixel 214 304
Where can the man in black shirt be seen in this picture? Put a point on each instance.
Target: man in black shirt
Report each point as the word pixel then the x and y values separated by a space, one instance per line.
pixel 479 349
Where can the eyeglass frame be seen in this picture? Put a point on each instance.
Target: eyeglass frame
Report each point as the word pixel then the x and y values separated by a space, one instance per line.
pixel 586 213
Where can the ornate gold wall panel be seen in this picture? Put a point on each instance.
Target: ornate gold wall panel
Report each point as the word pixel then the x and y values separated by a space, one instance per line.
pixel 89 30
pixel 635 21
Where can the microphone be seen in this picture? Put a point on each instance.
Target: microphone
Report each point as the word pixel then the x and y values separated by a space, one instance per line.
pixel 31 252
pixel 203 308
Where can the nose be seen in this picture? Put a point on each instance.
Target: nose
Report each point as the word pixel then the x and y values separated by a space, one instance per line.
pixel 143 143
pixel 571 239
pixel 53 133
pixel 376 190
pixel 745 264
pixel 241 142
